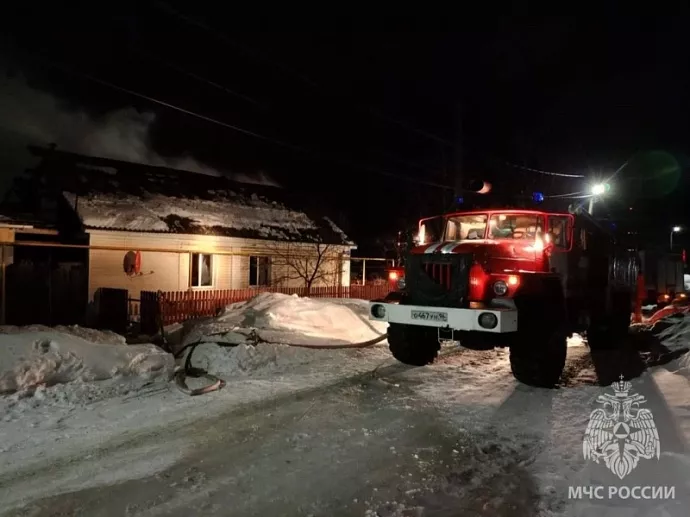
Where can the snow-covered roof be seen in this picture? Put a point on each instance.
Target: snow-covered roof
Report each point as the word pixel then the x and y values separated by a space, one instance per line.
pixel 113 195
pixel 20 220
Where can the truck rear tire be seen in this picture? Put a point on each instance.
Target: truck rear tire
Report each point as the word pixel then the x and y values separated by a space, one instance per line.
pixel 413 344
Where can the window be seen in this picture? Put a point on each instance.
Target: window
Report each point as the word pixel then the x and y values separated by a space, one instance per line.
pixel 558 231
pixel 516 226
pixel 259 271
pixel 202 270
pixel 459 228
pixel 431 230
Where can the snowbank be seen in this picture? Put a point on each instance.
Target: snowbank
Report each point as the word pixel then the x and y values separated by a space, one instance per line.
pixel 673 331
pixel 40 357
pixel 284 319
pixel 259 329
pixel 263 359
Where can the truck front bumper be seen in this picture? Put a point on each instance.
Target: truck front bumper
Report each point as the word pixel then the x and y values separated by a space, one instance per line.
pixel 497 320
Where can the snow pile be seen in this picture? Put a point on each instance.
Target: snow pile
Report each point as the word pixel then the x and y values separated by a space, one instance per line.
pixel 153 212
pixel 286 319
pixel 673 331
pixel 262 359
pixel 259 330
pixel 31 359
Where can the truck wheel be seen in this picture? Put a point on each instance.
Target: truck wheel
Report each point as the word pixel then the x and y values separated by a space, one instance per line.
pixel 413 344
pixel 539 348
pixel 538 359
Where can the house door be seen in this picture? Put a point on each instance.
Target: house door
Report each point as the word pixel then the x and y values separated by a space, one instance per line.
pixel 43 293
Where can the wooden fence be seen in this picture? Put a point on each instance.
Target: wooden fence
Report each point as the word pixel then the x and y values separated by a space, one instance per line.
pixel 178 306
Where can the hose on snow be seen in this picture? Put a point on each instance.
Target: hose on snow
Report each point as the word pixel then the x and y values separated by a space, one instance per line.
pixel 217 383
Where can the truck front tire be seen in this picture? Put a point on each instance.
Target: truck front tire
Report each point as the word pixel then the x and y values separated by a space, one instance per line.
pixel 538 349
pixel 413 344
pixel 538 359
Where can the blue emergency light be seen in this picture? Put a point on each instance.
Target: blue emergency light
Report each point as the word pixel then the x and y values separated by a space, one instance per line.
pixel 537 197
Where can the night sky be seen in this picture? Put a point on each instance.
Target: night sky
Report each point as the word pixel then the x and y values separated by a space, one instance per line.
pixel 373 123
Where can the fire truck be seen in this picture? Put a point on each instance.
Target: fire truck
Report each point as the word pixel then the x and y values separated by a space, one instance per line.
pixel 523 279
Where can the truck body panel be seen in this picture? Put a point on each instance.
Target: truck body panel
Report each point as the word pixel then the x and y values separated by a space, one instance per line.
pixel 663 274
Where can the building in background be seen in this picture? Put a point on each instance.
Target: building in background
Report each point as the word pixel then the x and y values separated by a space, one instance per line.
pixel 113 224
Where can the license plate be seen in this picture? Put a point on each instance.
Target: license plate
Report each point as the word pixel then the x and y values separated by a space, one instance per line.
pixel 430 316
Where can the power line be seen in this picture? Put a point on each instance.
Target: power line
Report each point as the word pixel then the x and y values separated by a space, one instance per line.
pixel 197 77
pixel 258 55
pixel 548 173
pixel 571 194
pixel 238 129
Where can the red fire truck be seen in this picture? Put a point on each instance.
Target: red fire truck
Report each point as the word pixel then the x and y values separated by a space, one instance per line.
pixel 526 279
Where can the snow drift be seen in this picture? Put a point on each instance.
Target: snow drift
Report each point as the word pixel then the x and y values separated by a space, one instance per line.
pixel 33 357
pixel 673 331
pixel 284 319
pixel 254 335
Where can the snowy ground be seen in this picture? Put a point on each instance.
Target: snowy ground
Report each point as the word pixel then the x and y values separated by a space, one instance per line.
pixel 328 432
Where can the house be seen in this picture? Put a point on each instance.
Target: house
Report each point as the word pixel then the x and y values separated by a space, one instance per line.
pixel 144 228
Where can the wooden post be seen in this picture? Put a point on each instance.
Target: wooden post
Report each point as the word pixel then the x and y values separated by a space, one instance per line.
pixel 340 275
pixel 6 255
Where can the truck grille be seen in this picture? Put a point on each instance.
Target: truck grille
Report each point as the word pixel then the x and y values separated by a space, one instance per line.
pixel 440 273
pixel 437 280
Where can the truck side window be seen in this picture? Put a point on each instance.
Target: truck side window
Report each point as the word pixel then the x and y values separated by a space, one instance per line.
pixel 558 231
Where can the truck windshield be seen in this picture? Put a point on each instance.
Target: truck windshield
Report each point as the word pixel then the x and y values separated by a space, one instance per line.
pixel 515 226
pixel 462 227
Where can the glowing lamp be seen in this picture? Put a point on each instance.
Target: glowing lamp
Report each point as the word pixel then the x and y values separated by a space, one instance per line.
pixel 598 189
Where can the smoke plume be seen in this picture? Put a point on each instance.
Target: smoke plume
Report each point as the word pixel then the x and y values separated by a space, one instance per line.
pixel 31 116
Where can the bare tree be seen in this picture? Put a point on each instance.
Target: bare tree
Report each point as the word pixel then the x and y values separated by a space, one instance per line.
pixel 308 263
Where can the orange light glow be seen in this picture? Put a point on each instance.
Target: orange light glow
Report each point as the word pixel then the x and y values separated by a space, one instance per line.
pixel 422 234
pixel 513 280
pixel 478 278
pixel 393 275
pixel 538 244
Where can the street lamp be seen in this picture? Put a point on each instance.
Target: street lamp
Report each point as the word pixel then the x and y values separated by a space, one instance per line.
pixel 675 229
pixel 598 189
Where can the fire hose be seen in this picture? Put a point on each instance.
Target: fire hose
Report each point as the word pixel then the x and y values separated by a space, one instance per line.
pixel 217 383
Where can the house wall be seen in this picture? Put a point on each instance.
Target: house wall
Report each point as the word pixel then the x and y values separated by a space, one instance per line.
pixel 170 270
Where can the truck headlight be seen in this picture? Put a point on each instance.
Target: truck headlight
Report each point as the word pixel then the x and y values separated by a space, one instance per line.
pixel 401 284
pixel 500 288
pixel 378 311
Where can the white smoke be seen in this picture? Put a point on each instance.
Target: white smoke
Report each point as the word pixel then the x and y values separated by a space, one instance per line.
pixel 31 116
